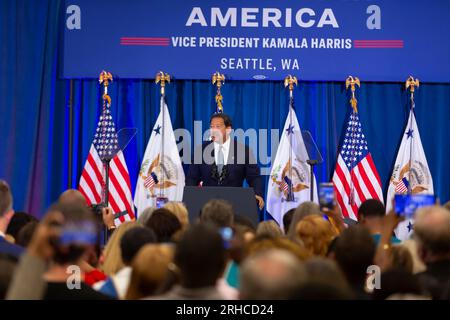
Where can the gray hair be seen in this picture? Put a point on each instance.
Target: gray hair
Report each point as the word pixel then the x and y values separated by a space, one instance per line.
pixel 271 274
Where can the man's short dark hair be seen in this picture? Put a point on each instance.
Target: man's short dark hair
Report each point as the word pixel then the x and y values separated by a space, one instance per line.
pixel 133 240
pixel 244 221
pixel 73 214
pixel 17 222
pixel 354 252
pixel 218 213
pixel 371 208
pixel 6 200
pixel 164 223
pixel 287 219
pixel 200 256
pixel 226 119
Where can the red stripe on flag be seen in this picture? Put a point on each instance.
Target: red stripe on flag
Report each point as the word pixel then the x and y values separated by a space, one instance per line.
pixel 367 181
pixel 91 185
pixel 94 167
pixel 358 188
pixel 88 200
pixel 372 167
pixel 345 182
pixel 121 193
pixel 123 171
pixel 341 202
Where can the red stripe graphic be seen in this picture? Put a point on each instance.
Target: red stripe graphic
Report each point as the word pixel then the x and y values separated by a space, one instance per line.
pixel 378 44
pixel 144 41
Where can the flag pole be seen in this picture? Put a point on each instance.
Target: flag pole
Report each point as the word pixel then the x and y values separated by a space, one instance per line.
pixel 70 162
pixel 218 79
pixel 104 79
pixel 411 84
pixel 162 78
pixel 290 81
pixel 352 82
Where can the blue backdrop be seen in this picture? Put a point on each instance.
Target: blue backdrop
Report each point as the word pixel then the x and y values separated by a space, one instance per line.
pixel 34 111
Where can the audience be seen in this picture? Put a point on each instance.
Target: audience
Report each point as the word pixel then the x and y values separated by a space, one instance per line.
pixel 111 260
pixel 314 256
pixel 180 211
pixel 325 281
pixel 268 228
pixel 271 274
pixel 370 215
pixel 305 209
pixel 287 220
pixel 218 213
pixel 150 269
pixel 165 224
pixel 17 223
pixel 432 231
pixel 354 253
pixel 315 232
pixel 200 260
pixel 143 217
pixel 77 234
pixel 131 242
pixel 6 215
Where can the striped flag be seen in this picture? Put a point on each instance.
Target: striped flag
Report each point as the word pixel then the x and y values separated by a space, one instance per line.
pixel 161 171
pixel 290 176
pixel 355 178
pixel 402 186
pixel 92 181
pixel 411 173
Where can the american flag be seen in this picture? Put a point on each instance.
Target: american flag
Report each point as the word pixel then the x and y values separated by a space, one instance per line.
pixel 151 180
pixel 355 178
pixel 285 183
pixel 402 186
pixel 106 146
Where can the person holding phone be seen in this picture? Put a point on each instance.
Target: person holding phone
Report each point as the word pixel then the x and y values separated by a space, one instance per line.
pixel 370 215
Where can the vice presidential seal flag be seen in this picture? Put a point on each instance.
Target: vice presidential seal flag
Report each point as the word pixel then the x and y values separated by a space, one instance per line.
pixel 411 172
pixel 161 170
pixel 289 183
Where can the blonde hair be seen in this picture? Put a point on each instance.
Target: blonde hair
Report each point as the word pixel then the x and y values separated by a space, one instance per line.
pixel 316 234
pixel 257 245
pixel 180 211
pixel 269 228
pixel 150 269
pixel 112 254
pixel 402 258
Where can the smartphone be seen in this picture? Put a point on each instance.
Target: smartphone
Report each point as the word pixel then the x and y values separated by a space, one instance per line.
pixel 161 201
pixel 227 236
pixel 407 204
pixel 326 195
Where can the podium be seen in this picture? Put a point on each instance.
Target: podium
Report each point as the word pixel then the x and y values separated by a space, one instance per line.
pixel 242 199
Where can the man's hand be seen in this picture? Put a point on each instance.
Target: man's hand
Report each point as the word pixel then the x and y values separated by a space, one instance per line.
pixel 260 202
pixel 390 222
pixel 40 245
pixel 108 218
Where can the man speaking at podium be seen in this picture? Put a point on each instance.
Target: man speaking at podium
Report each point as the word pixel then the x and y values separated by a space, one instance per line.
pixel 225 162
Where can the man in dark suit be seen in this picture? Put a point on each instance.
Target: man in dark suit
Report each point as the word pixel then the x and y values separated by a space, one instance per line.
pixel 225 162
pixel 6 213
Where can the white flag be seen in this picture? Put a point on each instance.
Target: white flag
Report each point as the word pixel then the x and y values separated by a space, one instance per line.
pixel 410 171
pixel 289 182
pixel 161 170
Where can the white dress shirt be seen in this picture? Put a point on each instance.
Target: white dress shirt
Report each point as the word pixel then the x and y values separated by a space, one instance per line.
pixel 225 150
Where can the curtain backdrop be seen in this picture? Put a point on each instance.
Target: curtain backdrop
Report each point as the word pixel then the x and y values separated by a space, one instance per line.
pixel 35 112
